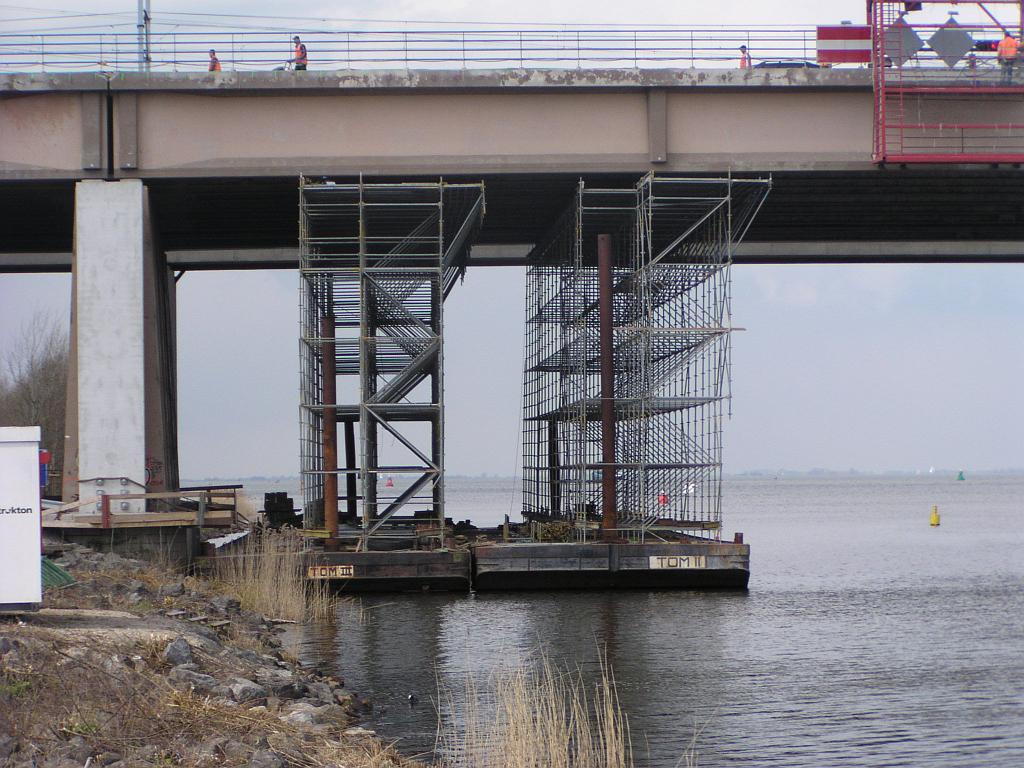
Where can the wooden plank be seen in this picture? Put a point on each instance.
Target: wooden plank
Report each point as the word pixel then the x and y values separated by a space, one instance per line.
pixel 71 505
pixel 72 524
pixel 170 495
pixel 173 523
pixel 167 518
pixel 138 517
pixel 162 495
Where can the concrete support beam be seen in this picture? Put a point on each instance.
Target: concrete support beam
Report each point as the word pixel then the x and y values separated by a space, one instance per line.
pixel 657 126
pixel 161 382
pixel 69 470
pixel 112 235
pixel 881 252
pixel 126 130
pixel 161 417
pixel 235 258
pixel 94 131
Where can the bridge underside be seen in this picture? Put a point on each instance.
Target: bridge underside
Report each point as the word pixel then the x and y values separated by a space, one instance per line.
pixel 875 215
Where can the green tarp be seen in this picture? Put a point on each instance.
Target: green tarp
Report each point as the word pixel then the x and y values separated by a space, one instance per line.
pixel 54 575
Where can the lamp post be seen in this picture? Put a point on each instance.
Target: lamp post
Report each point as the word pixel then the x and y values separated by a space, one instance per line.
pixel 142 26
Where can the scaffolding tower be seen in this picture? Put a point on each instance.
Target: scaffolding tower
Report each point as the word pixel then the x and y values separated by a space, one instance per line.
pixel 376 262
pixel 627 355
pixel 942 92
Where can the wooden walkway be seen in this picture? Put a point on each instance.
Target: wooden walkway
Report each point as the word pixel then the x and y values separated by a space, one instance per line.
pixel 205 508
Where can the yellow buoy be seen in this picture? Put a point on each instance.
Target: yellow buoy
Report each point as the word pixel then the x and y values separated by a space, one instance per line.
pixel 935 515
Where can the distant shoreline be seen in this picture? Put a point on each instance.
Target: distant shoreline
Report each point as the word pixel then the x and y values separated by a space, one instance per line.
pixel 744 475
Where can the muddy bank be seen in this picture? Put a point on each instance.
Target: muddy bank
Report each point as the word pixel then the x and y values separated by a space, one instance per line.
pixel 136 666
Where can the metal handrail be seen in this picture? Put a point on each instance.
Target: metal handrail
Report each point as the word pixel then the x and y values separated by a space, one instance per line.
pixel 585 47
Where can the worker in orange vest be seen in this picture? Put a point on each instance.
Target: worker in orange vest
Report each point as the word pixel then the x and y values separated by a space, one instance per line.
pixel 1006 54
pixel 745 61
pixel 214 61
pixel 300 59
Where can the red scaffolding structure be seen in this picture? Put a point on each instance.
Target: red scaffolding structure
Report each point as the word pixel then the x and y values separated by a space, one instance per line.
pixel 941 92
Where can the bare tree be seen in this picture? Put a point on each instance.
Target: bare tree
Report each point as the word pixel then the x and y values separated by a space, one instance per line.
pixel 33 380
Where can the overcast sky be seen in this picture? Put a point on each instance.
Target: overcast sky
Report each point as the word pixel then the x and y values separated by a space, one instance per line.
pixel 524 11
pixel 330 14
pixel 866 367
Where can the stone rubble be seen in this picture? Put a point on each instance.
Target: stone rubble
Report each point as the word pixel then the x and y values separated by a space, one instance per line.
pixel 199 660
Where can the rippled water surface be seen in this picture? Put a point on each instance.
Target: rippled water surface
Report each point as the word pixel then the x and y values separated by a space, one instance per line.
pixel 867 637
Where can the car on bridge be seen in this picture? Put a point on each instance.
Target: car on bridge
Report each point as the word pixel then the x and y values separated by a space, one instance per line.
pixel 786 64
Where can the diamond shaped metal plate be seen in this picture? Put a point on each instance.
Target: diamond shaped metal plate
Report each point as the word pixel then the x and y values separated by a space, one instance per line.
pixel 951 43
pixel 901 42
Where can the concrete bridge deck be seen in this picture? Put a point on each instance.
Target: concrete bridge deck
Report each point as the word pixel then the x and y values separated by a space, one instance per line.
pixel 273 124
pixel 221 152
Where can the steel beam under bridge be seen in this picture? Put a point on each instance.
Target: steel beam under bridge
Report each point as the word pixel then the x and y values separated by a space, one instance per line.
pixel 866 252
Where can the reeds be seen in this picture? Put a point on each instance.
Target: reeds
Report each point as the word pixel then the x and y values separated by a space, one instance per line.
pixel 268 576
pixel 535 716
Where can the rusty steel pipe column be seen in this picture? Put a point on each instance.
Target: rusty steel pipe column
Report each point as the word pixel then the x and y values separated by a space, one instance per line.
pixel 330 430
pixel 609 513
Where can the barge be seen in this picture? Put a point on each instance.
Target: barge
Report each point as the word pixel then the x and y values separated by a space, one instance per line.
pixel 695 564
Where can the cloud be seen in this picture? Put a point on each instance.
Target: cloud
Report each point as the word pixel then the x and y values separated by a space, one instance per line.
pixel 448 12
pixel 784 286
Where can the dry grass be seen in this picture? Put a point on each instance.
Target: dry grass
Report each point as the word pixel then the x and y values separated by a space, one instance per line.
pixel 106 588
pixel 107 696
pixel 689 757
pixel 536 717
pixel 268 576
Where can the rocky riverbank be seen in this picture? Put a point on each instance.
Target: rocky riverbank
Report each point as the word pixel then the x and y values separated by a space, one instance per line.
pixel 136 666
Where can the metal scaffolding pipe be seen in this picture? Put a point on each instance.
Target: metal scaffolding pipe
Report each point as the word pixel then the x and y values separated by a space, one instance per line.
pixel 330 427
pixel 351 494
pixel 377 258
pixel 626 356
pixel 609 513
pixel 554 468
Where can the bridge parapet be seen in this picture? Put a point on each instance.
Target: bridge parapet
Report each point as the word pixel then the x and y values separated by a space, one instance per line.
pixel 426 80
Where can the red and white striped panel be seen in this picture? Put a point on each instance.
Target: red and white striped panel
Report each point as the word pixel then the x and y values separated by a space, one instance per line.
pixel 845 44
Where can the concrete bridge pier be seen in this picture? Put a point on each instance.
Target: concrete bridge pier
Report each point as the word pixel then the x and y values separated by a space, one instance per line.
pixel 122 423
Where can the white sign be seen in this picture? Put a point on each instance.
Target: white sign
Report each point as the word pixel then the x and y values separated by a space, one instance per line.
pixel 21 580
pixel 678 561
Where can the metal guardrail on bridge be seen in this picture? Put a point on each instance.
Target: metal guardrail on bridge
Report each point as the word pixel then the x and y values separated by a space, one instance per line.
pixel 584 47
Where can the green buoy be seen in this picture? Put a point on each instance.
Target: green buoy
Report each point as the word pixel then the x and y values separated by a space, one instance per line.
pixel 961 475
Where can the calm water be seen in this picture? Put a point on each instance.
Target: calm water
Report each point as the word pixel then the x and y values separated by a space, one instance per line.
pixel 867 638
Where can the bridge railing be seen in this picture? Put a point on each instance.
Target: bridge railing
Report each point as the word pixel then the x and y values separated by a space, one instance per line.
pixel 588 47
